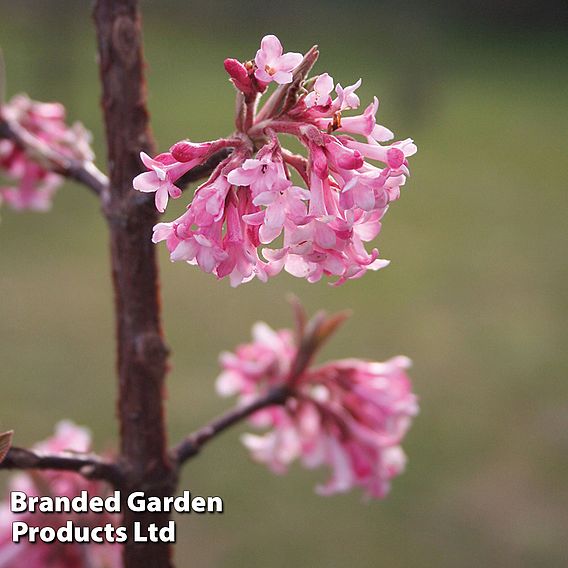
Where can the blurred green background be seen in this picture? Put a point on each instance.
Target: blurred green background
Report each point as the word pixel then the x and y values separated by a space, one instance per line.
pixel 476 292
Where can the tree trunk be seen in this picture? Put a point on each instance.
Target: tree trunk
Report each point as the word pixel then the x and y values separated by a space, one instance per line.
pixel 142 353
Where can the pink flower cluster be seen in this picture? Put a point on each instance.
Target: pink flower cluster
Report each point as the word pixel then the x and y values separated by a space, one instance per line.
pixel 316 212
pixel 350 415
pixel 31 185
pixel 68 438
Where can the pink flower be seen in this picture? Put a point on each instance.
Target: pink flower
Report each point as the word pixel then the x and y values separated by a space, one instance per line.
pixel 240 76
pixel 164 170
pixel 288 202
pixel 35 191
pixel 265 362
pixel 260 175
pixel 325 217
pixel 32 186
pixel 319 96
pixel 349 415
pixel 394 155
pixel 346 97
pixel 362 124
pixel 68 438
pixel 187 151
pixel 272 65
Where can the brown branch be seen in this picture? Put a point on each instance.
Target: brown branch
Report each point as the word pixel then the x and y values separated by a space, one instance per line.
pixel 191 446
pixel 84 172
pixel 310 336
pixel 87 173
pixel 141 350
pixel 88 465
pixel 204 169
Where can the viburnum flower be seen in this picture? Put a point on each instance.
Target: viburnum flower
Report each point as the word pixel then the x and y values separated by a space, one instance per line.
pixel 350 415
pixel 31 185
pixel 264 208
pixel 320 94
pixel 68 438
pixel 272 64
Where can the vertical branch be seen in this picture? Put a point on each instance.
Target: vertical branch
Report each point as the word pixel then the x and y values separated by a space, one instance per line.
pixel 142 354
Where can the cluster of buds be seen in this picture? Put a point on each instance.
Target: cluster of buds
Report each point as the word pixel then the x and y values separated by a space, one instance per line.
pixel 350 415
pixel 74 440
pixel 317 212
pixel 37 132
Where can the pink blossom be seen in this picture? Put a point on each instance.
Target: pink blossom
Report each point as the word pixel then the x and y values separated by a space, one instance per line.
pixel 32 186
pixel 265 362
pixel 68 438
pixel 35 191
pixel 286 203
pixel 272 64
pixel 362 124
pixel 185 151
pixel 164 170
pixel 346 97
pixel 235 220
pixel 240 76
pixel 394 155
pixel 260 174
pixel 319 96
pixel 349 415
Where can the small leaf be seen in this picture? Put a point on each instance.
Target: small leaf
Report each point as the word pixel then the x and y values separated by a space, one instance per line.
pixel 331 324
pixel 5 444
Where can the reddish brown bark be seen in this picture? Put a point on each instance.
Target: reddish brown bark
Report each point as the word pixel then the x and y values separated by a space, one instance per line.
pixel 142 353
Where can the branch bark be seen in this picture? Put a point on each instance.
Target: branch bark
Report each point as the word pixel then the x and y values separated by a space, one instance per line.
pixel 142 353
pixel 89 465
pixel 191 446
pixel 85 173
pixel 311 335
pixel 204 169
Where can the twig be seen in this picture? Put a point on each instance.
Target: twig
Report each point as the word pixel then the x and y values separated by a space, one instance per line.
pixel 89 465
pixel 191 446
pixel 204 169
pixel 87 173
pixel 311 335
pixel 84 172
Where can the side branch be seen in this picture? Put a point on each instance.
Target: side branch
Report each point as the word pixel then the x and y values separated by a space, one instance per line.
pixel 87 173
pixel 89 466
pixel 310 336
pixel 191 446
pixel 84 172
pixel 205 169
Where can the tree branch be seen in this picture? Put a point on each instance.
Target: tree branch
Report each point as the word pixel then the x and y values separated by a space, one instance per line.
pixel 191 446
pixel 88 465
pixel 87 173
pixel 310 336
pixel 84 172
pixel 204 169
